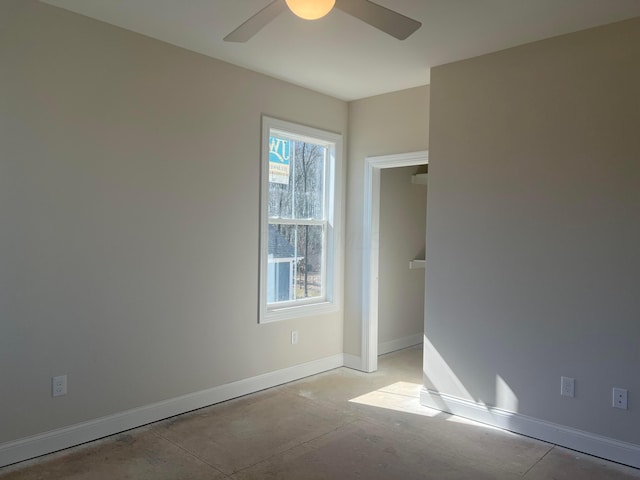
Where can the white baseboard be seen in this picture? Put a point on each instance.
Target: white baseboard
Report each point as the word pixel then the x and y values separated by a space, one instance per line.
pixel 400 343
pixel 351 361
pixel 31 447
pixel 48 442
pixel 579 440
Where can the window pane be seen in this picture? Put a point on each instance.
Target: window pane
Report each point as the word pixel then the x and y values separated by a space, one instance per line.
pixel 296 179
pixel 309 261
pixel 294 266
pixel 308 171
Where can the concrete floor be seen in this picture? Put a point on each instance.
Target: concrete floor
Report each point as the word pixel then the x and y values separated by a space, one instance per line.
pixel 341 424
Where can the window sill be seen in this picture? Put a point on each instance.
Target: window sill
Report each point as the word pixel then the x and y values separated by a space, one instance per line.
pixel 299 311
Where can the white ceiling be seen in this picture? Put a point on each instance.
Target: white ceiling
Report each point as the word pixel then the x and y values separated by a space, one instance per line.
pixel 342 56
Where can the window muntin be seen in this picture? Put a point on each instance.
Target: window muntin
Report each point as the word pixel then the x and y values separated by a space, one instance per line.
pixel 298 229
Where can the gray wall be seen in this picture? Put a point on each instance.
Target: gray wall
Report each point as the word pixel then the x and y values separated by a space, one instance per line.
pixel 533 229
pixel 383 125
pixel 403 215
pixel 129 181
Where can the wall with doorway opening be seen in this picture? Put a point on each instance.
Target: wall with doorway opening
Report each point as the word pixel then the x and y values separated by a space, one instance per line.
pixel 382 125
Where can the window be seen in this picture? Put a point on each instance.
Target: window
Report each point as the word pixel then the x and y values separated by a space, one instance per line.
pixel 300 220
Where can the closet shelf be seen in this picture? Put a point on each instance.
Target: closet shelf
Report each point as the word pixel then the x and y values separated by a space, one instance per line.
pixel 415 264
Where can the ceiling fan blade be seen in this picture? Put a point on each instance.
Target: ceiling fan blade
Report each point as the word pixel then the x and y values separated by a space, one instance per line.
pixel 252 26
pixel 393 23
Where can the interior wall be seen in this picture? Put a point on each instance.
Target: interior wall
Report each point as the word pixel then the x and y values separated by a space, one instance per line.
pixel 382 125
pixel 129 205
pixel 533 231
pixel 403 215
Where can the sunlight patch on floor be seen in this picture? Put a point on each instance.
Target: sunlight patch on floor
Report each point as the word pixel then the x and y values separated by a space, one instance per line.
pixel 399 396
pixel 405 397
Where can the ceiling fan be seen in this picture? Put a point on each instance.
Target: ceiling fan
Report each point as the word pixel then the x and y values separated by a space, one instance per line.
pixel 382 18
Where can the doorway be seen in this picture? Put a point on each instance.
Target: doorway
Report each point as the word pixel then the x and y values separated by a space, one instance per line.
pixel 371 248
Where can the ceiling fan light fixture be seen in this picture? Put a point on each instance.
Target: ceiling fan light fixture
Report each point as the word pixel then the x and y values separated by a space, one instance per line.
pixel 310 9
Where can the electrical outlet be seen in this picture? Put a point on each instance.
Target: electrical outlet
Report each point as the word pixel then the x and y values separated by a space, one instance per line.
pixel 294 337
pixel 567 387
pixel 620 398
pixel 59 386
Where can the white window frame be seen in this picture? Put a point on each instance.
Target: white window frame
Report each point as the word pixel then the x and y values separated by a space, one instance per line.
pixel 330 300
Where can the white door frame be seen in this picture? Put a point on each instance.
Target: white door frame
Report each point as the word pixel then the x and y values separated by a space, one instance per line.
pixel 371 247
